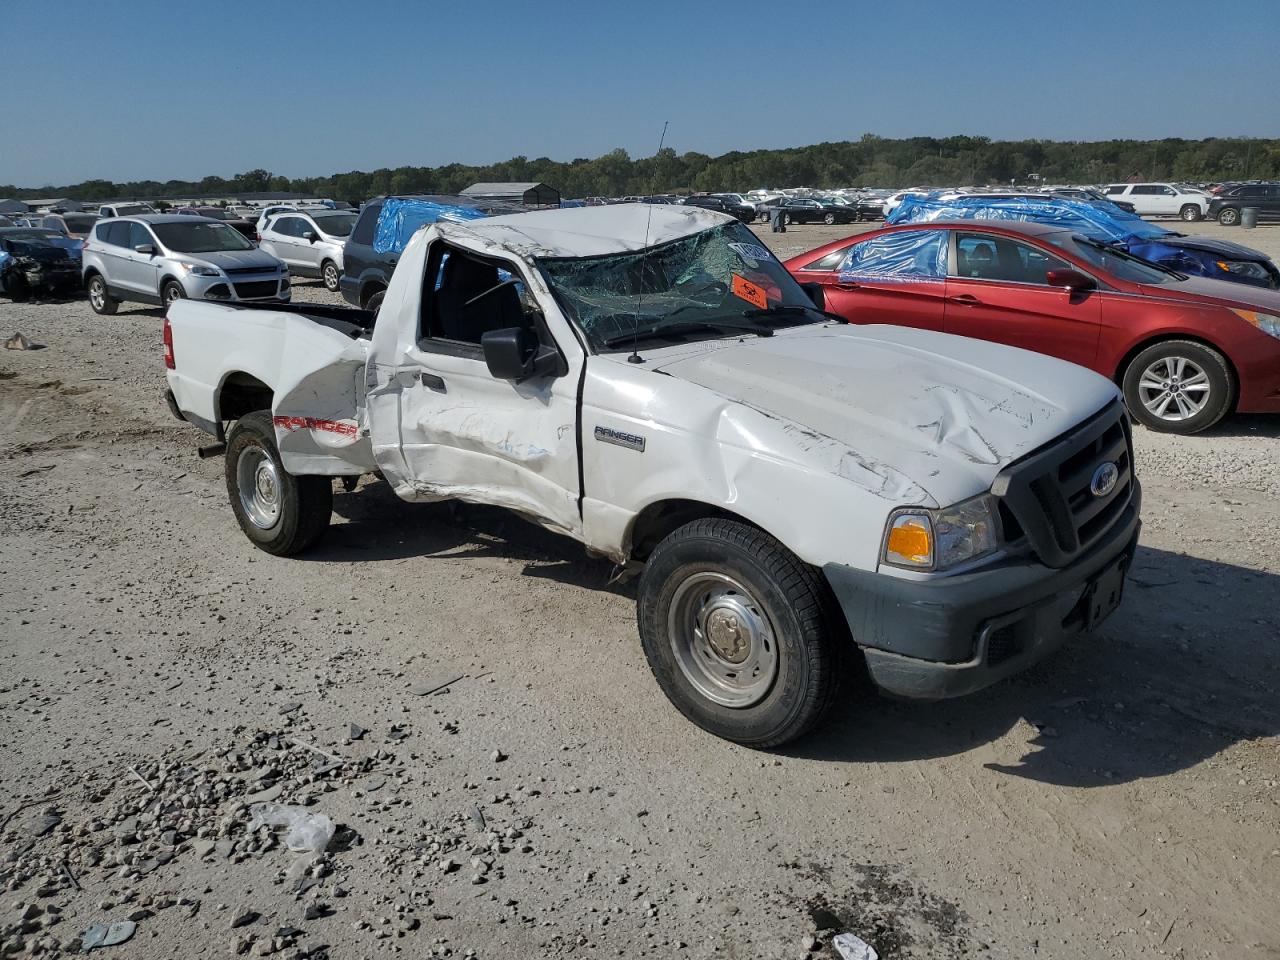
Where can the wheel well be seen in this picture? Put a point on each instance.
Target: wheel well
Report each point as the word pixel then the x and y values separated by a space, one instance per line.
pixel 1118 377
pixel 658 520
pixel 91 272
pixel 169 278
pixel 242 393
pixel 369 289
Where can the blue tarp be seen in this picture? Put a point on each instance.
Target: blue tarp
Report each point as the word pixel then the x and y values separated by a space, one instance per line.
pixel 912 255
pixel 401 219
pixel 1103 221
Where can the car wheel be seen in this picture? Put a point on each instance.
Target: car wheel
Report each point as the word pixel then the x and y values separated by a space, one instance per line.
pixel 1179 386
pixel 329 271
pixel 829 219
pixel 171 291
pixel 282 514
pixel 374 303
pixel 1190 212
pixel 786 218
pixel 1228 216
pixel 762 218
pixel 99 301
pixel 742 636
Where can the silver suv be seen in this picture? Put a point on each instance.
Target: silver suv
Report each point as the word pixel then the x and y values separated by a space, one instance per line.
pixel 162 258
pixel 310 242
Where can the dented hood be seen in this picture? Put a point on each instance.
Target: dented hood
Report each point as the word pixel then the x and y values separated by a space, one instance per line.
pixel 910 414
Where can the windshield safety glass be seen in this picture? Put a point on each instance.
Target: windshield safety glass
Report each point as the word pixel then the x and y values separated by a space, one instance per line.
pixel 199 237
pixel 718 282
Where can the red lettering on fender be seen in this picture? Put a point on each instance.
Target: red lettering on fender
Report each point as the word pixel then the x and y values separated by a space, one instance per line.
pixel 311 423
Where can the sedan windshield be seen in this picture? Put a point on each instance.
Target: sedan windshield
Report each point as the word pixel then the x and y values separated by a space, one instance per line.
pixel 197 237
pixel 1113 260
pixel 335 224
pixel 716 282
pixel 81 223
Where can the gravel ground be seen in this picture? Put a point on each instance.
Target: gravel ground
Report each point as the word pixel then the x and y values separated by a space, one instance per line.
pixel 464 696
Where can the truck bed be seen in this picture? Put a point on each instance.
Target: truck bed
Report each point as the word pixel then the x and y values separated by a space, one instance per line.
pixel 351 321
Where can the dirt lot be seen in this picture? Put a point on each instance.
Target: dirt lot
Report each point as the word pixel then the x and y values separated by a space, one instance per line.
pixel 523 789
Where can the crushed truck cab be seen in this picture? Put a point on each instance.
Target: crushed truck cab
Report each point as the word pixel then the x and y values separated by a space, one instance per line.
pixel 795 492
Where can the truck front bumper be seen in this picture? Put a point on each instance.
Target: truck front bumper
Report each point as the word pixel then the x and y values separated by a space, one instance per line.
pixel 931 639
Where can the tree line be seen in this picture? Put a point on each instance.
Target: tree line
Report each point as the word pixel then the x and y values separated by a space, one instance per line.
pixel 871 161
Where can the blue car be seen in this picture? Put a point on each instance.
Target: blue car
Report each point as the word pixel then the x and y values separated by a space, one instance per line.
pixel 1107 223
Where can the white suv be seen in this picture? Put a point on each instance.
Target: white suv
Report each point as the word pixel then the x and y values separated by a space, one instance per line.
pixel 1161 199
pixel 310 242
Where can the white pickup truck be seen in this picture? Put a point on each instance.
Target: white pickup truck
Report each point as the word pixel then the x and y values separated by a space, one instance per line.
pixel 799 495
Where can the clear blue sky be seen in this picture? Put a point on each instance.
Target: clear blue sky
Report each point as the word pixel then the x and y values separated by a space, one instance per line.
pixel 152 89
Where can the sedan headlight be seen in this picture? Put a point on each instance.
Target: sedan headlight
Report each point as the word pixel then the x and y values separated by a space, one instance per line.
pixel 1266 322
pixel 200 270
pixel 921 539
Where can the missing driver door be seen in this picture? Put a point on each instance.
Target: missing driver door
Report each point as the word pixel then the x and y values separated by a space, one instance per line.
pixel 464 434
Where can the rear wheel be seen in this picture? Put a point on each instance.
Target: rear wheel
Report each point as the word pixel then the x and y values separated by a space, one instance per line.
pixel 1190 212
pixel 329 272
pixel 829 219
pixel 1179 386
pixel 375 301
pixel 1228 216
pixel 99 301
pixel 171 291
pixel 740 634
pixel 786 218
pixel 281 513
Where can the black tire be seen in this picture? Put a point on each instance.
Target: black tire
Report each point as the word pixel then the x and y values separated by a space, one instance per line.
pixel 374 303
pixel 829 219
pixel 1229 216
pixel 788 596
pixel 171 291
pixel 17 289
pixel 762 218
pixel 1190 212
pixel 303 505
pixel 99 301
pixel 1217 400
pixel 330 274
pixel 786 218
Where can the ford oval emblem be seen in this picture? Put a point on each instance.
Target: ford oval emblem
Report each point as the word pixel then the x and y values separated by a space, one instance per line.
pixel 1104 479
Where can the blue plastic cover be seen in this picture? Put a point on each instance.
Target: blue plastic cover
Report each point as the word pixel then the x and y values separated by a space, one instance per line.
pixel 911 255
pixel 1096 219
pixel 400 219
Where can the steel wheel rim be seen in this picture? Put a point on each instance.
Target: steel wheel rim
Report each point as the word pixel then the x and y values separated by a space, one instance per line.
pixel 1174 389
pixel 97 295
pixel 722 640
pixel 259 487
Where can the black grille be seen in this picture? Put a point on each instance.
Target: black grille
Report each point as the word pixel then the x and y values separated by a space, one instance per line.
pixel 1047 496
pixel 242 271
pixel 261 288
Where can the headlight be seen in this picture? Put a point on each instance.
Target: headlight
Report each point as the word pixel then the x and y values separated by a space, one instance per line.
pixel 920 539
pixel 1266 322
pixel 200 270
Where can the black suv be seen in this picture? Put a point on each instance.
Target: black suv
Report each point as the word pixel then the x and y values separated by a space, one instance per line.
pixel 365 271
pixel 1226 206
pixel 724 205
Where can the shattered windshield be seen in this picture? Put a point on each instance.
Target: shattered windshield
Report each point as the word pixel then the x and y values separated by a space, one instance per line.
pixel 719 282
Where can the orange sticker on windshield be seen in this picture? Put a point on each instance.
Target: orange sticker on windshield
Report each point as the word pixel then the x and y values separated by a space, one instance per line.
pixel 748 291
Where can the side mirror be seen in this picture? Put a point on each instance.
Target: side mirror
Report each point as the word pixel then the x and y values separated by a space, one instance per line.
pixel 1073 280
pixel 515 353
pixel 309 235
pixel 816 294
pixel 146 248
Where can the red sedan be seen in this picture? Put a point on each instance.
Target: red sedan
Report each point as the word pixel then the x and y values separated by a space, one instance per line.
pixel 1185 350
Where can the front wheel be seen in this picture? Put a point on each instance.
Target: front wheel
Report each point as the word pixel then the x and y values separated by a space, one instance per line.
pixel 1179 386
pixel 281 513
pixel 829 219
pixel 1228 216
pixel 1190 212
pixel 172 291
pixel 741 635
pixel 330 274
